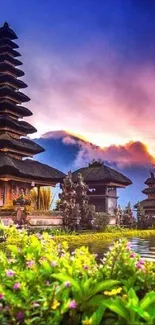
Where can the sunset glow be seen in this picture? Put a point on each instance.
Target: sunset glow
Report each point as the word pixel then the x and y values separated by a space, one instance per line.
pixel 90 70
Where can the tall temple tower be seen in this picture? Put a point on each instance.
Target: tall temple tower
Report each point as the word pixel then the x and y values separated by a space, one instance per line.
pixel 17 173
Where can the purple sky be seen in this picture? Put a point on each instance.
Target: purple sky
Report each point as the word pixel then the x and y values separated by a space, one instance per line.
pixel 90 67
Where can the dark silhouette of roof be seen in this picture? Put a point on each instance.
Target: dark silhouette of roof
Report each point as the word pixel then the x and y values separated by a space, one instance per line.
pixel 147 203
pixel 29 168
pixel 27 145
pixel 6 105
pixel 11 145
pixel 7 32
pixel 19 126
pixel 98 172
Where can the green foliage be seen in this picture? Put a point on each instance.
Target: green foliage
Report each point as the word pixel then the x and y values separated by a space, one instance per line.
pixel 115 228
pixel 51 231
pixel 43 283
pixel 101 220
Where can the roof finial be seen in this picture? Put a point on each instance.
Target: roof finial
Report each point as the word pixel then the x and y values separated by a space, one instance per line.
pixel 6 25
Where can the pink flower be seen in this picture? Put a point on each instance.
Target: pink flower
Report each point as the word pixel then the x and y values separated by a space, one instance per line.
pixel 39 236
pixel 67 284
pixel 141 262
pixel 16 286
pixel 139 266
pixel 128 246
pixel 47 283
pixel 54 263
pixel 11 260
pixel 86 267
pixel 1 296
pixel 20 315
pixel 132 255
pixel 36 304
pixel 30 263
pixel 10 273
pixel 72 304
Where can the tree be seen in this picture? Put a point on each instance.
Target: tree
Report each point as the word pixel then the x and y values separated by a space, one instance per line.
pixel 141 219
pixel 127 217
pixel 87 211
pixel 67 203
pixel 74 203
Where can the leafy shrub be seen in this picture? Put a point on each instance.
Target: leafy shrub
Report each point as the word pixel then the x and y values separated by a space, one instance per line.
pixel 43 283
pixel 115 228
pixel 101 220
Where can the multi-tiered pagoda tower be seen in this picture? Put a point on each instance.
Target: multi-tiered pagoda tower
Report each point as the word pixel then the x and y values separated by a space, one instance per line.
pixel 149 204
pixel 16 173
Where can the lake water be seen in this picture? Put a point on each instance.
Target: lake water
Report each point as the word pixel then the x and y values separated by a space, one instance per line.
pixel 144 247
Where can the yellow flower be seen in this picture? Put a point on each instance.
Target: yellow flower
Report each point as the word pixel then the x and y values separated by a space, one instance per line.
pixel 113 292
pixel 55 304
pixel 87 322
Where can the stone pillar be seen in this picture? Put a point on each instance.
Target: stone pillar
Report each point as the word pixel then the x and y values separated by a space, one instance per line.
pixel 38 198
pixel 5 193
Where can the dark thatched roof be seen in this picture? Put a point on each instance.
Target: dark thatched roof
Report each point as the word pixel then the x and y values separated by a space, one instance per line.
pixel 8 79
pixel 148 203
pixel 11 106
pixel 5 67
pixel 6 91
pixel 15 125
pixel 7 32
pixel 23 144
pixel 29 169
pixel 101 173
pixel 8 42
pixel 9 50
pixel 149 190
pixel 150 181
pixel 8 58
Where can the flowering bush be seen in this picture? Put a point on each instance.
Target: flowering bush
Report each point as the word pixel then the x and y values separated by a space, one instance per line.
pixel 43 283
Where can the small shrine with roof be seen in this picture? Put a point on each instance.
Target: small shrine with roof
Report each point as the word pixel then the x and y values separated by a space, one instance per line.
pixel 103 182
pixel 18 171
pixel 148 204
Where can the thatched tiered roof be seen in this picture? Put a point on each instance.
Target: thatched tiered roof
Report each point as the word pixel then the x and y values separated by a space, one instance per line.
pixel 28 169
pixel 97 172
pixel 13 147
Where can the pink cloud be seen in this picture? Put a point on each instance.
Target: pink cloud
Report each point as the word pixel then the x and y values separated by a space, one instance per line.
pixel 132 154
pixel 69 140
pixel 93 92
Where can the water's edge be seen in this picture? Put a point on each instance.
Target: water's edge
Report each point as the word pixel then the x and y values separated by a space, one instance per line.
pixel 143 246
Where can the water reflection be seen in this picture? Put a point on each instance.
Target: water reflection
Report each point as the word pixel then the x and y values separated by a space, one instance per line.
pixel 144 247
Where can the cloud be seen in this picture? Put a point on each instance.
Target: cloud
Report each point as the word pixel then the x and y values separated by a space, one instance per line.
pixel 94 92
pixel 133 154
pixel 69 140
